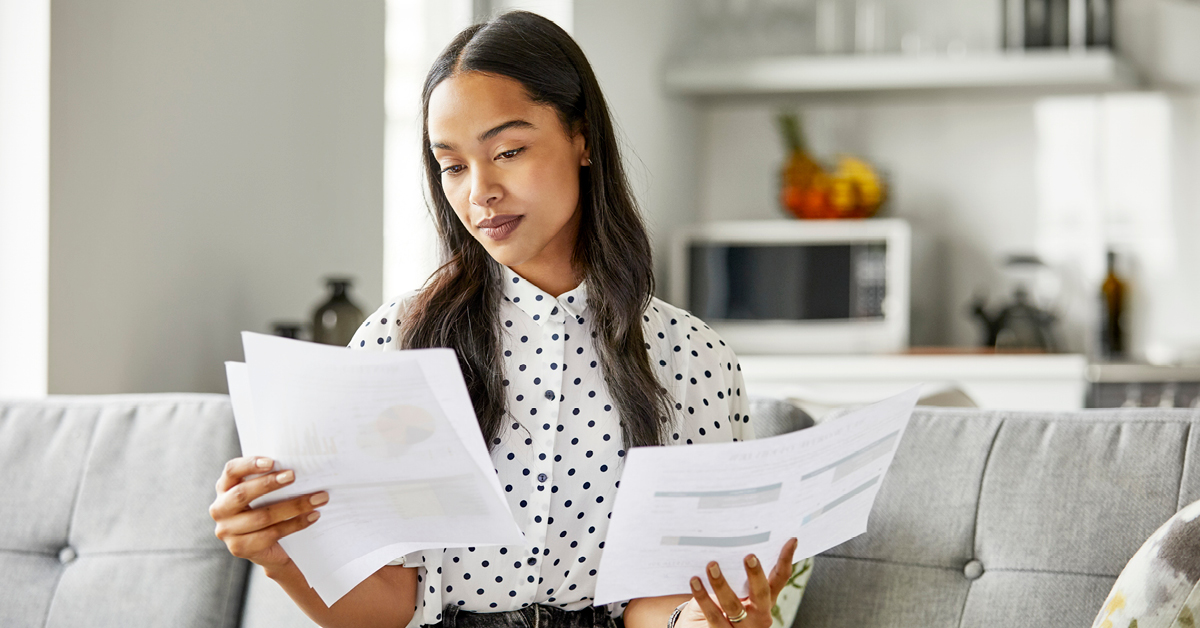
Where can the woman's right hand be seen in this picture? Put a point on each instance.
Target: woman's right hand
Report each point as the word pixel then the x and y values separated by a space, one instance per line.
pixel 254 533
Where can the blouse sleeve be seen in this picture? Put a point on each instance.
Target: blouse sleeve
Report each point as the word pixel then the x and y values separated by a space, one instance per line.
pixel 711 397
pixel 381 330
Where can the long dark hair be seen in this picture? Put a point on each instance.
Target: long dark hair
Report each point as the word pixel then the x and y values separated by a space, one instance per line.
pixel 459 305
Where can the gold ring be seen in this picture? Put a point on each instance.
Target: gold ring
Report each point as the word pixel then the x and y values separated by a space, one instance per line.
pixel 740 616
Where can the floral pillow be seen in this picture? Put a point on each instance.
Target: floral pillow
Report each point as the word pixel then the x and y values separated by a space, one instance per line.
pixel 788 602
pixel 1158 588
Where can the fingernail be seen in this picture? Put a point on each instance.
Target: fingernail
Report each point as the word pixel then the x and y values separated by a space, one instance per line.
pixel 318 499
pixel 752 560
pixel 696 586
pixel 714 570
pixel 264 463
pixel 313 516
pixel 285 477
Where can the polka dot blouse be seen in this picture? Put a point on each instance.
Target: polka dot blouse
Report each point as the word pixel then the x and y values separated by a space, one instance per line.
pixel 560 459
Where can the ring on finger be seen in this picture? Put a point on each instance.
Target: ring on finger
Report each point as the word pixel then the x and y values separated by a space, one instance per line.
pixel 739 617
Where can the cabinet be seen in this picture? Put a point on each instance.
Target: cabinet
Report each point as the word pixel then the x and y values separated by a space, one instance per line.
pixel 1015 382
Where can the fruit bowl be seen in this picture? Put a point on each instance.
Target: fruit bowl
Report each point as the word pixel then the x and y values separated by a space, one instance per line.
pixel 809 190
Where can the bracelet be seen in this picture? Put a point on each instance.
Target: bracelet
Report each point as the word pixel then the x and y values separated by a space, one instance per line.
pixel 675 615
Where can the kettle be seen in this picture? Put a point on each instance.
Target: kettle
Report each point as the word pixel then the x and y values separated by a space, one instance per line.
pixel 1019 324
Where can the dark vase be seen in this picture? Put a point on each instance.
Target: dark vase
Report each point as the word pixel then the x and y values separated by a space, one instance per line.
pixel 335 321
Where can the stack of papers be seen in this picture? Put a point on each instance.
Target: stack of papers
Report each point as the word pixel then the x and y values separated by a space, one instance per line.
pixel 392 437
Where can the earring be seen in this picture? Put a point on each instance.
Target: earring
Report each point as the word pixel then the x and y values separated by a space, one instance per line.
pixel 589 161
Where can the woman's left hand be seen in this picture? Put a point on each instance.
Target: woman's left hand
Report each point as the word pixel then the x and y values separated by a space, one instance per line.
pixel 703 612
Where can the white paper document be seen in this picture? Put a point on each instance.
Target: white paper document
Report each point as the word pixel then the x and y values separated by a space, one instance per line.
pixel 392 436
pixel 680 507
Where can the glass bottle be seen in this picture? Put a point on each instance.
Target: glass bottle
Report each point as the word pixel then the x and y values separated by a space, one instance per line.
pixel 335 321
pixel 1099 23
pixel 1112 310
pixel 1037 23
pixel 1058 24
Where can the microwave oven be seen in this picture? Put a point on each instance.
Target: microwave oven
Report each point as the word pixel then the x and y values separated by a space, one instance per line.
pixel 793 286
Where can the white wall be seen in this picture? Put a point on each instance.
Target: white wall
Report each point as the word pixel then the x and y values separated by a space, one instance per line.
pixel 627 43
pixel 24 206
pixel 210 163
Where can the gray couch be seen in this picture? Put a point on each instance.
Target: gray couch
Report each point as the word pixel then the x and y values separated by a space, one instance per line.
pixel 986 518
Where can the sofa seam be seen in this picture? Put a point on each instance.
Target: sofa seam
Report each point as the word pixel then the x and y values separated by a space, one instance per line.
pixel 1055 573
pixel 987 461
pixel 231 611
pixel 230 614
pixel 888 562
pixel 9 550
pixel 1187 442
pixel 957 570
pixel 120 400
pixel 87 460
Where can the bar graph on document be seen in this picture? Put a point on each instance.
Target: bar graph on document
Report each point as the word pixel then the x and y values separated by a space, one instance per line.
pixel 845 474
pixel 307 448
pixel 734 499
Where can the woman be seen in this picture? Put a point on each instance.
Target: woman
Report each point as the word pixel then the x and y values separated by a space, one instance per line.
pixel 546 294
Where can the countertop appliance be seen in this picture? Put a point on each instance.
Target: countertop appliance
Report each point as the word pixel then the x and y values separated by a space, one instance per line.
pixel 797 287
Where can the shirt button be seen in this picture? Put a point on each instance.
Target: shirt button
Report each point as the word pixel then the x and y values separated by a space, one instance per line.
pixel 531 561
pixel 550 395
pixel 542 477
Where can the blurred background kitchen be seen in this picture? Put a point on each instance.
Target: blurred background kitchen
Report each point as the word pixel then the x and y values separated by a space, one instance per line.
pixel 173 172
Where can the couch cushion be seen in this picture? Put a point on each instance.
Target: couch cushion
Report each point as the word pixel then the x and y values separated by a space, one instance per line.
pixel 267 605
pixel 992 518
pixel 106 515
pixel 775 416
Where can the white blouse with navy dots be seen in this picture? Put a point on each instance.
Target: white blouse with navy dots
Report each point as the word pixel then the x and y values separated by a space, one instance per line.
pixel 560 462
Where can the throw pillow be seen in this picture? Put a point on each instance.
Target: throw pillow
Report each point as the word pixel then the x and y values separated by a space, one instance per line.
pixel 788 602
pixel 1158 588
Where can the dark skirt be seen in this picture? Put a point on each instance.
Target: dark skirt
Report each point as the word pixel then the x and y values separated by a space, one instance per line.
pixel 533 616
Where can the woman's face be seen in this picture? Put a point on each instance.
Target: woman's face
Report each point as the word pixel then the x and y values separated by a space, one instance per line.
pixel 503 157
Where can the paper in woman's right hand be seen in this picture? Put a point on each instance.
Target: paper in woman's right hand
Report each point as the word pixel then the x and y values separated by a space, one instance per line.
pixel 391 436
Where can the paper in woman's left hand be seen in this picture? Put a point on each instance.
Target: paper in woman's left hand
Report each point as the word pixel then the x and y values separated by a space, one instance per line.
pixel 680 507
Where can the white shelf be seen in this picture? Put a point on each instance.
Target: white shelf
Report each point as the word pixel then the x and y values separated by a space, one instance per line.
pixel 1097 69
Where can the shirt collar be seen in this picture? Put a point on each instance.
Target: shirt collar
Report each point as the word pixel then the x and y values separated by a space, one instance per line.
pixel 538 304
